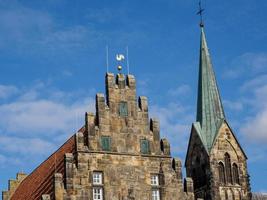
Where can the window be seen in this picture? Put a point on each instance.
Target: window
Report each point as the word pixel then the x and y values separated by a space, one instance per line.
pixel 144 146
pixel 154 180
pixel 221 173
pixel 97 178
pixel 97 193
pixel 123 109
pixel 106 143
pixel 97 186
pixel 235 174
pixel 226 195
pixel 155 194
pixel 228 171
pixel 155 187
pixel 231 195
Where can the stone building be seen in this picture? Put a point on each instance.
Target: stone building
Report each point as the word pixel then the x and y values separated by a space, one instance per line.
pixel 215 160
pixel 117 155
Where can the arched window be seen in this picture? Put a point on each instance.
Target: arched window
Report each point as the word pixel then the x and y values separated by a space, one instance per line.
pixel 228 171
pixel 221 173
pixel 231 195
pixel 240 195
pixel 226 195
pixel 235 174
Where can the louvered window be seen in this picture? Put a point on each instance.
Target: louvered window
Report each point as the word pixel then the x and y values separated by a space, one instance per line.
pixel 106 143
pixel 144 146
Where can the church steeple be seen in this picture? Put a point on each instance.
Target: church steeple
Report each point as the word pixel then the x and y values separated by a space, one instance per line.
pixel 210 113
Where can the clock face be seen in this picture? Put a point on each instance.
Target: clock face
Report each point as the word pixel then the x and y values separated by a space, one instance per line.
pixel 123 109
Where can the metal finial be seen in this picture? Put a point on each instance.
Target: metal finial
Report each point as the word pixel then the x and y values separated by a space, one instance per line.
pixel 200 13
pixel 119 67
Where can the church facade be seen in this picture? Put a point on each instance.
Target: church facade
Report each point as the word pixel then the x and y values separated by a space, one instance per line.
pixel 118 154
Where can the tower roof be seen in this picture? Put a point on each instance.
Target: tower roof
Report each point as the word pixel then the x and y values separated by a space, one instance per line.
pixel 210 113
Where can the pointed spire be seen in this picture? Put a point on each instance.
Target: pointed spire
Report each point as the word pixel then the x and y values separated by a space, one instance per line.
pixel 210 113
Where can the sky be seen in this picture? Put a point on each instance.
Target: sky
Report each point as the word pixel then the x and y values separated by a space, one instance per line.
pixel 53 62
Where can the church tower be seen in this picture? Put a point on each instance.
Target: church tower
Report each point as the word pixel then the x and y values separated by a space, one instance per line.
pixel 215 160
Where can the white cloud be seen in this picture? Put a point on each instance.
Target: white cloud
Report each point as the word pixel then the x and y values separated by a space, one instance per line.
pixel 254 83
pixel 255 125
pixel 175 123
pixel 233 105
pixel 25 146
pixel 8 161
pixel 255 128
pixel 180 91
pixel 42 115
pixel 248 62
pixel 39 119
pixel 7 90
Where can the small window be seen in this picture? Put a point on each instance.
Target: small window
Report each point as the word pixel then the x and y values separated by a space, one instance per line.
pixel 97 178
pixel 155 195
pixel 154 180
pixel 97 193
pixel 123 109
pixel 144 146
pixel 106 143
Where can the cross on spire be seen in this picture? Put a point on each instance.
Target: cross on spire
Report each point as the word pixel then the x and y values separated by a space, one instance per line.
pixel 200 13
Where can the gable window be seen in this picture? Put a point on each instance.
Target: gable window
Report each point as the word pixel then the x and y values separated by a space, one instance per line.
pixel 221 173
pixel 235 174
pixel 106 143
pixel 98 186
pixel 123 109
pixel 144 146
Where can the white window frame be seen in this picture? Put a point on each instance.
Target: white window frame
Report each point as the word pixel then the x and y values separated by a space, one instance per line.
pixel 97 193
pixel 155 180
pixel 155 194
pixel 97 178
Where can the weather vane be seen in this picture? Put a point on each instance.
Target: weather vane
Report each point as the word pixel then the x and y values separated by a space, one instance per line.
pixel 200 13
pixel 120 58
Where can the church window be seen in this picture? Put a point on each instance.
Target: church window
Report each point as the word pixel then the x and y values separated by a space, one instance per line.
pixel 221 173
pixel 226 195
pixel 228 171
pixel 154 180
pixel 231 195
pixel 240 195
pixel 144 146
pixel 123 109
pixel 235 174
pixel 106 143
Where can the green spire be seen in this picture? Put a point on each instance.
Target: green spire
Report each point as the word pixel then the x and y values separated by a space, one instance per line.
pixel 210 113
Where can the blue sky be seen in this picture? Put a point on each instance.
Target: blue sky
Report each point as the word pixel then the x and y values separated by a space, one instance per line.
pixel 52 61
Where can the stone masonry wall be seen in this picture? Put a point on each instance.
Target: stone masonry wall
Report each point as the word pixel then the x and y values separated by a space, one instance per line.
pixel 126 169
pixel 227 143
